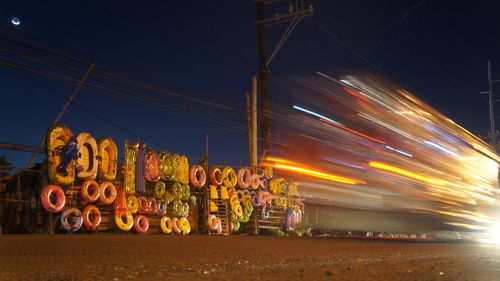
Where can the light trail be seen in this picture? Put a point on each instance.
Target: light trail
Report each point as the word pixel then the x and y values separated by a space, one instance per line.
pixel 405 173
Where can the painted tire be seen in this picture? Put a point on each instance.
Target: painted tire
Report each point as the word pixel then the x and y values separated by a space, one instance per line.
pixel 244 218
pixel 268 172
pixel 166 172
pixel 91 210
pixel 162 207
pixel 216 176
pixel 197 176
pixel 213 192
pixel 236 226
pixel 131 149
pixel 90 191
pixel 152 206
pixel 151 166
pixel 214 223
pixel 143 205
pixel 184 170
pixel 67 224
pixel 177 190
pixel 141 224
pixel 104 189
pixel 229 177
pixel 177 208
pixel 46 200
pixel 224 194
pixel 86 164
pixel 248 208
pixel 213 207
pixel 107 155
pixel 244 178
pixel 57 136
pixel 160 189
pixel 132 204
pixel 290 219
pixel 185 209
pixel 185 192
pixel 166 225
pixel 184 225
pixel 237 209
pixel 175 225
pixel 125 226
pixel 176 160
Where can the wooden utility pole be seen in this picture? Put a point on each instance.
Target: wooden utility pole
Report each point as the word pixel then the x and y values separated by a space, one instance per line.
pixel 63 109
pixel 294 15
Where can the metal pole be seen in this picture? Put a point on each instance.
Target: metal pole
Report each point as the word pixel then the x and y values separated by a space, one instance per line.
pixel 492 110
pixel 263 72
pixel 77 88
pixel 254 122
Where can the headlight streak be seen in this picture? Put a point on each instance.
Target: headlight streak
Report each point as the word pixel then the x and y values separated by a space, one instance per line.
pixel 404 173
pixel 316 114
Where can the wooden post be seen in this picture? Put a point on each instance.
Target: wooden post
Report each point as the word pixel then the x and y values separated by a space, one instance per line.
pixel 254 123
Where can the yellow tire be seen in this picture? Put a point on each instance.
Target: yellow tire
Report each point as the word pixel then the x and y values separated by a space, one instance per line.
pixel 132 204
pixel 224 194
pixel 108 156
pixel 125 226
pixel 184 170
pixel 237 209
pixel 57 137
pixel 129 174
pixel 213 192
pixel 166 225
pixel 229 177
pixel 184 225
pixel 213 207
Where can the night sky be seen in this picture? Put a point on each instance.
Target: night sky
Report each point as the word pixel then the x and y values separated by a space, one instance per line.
pixel 207 51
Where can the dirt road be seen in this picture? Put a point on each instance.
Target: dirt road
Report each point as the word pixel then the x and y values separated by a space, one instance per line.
pixel 160 257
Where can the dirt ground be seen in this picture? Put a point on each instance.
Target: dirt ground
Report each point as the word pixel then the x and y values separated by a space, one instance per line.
pixel 196 257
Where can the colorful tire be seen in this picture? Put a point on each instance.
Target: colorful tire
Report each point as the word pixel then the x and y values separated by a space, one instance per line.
pixel 108 156
pixel 197 176
pixel 213 207
pixel 177 190
pixel 151 166
pixel 45 198
pixel 90 191
pixel 162 207
pixel 143 205
pixel 224 194
pixel 160 189
pixel 86 164
pixel 175 225
pixel 132 204
pixel 68 225
pixel 166 172
pixel 237 209
pixel 290 219
pixel 236 226
pixel 244 178
pixel 213 192
pixel 176 159
pixel 185 192
pixel 265 213
pixel 184 225
pixel 152 206
pixel 107 193
pixel 177 208
pixel 185 209
pixel 214 223
pixel 56 138
pixel 141 224
pixel 216 176
pixel 268 172
pixel 131 149
pixel 229 177
pixel 125 226
pixel 248 208
pixel 91 224
pixel 184 170
pixel 166 225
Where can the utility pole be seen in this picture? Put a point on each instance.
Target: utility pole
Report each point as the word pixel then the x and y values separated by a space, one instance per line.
pixel 295 13
pixel 77 88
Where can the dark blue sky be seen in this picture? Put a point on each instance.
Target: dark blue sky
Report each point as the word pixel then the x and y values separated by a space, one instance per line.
pixel 208 50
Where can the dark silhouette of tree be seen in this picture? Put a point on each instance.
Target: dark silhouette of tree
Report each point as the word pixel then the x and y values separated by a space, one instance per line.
pixel 5 164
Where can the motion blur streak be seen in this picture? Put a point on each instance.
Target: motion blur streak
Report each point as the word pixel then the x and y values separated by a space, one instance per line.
pixel 352 131
pixel 318 174
pixel 405 173
pixel 316 114
pixel 418 169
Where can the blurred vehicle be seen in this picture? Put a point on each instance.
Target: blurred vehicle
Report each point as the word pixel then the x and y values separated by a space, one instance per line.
pixel 368 155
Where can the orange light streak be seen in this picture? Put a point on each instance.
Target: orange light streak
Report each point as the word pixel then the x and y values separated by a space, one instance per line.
pixel 352 131
pixel 405 173
pixel 318 174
